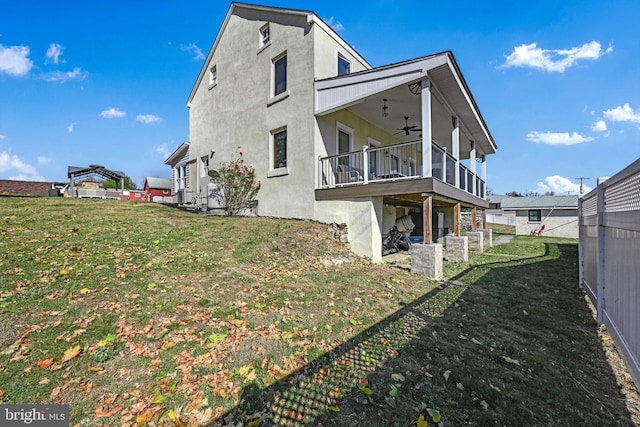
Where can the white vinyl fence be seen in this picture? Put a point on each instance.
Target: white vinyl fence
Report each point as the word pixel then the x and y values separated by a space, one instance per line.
pixel 501 219
pixel 609 251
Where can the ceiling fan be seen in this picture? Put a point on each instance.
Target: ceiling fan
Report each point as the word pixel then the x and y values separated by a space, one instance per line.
pixel 408 128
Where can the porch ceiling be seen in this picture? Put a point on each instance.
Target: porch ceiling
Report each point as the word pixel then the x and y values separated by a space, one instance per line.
pixel 363 94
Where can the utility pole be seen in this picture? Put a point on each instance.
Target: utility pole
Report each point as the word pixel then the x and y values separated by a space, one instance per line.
pixel 581 180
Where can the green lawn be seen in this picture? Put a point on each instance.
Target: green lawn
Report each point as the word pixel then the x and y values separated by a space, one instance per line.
pixel 139 314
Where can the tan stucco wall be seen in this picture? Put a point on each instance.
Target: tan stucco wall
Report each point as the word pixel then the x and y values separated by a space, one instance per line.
pixel 561 223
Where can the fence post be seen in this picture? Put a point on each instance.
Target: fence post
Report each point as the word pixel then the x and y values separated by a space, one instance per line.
pixel 580 243
pixel 601 255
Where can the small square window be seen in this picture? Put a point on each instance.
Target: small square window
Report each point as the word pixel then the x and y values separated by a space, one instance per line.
pixel 344 66
pixel 280 75
pixel 265 35
pixel 213 76
pixel 279 149
pixel 535 215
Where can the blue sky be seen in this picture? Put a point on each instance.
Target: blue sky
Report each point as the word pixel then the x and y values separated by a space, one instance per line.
pixel 107 82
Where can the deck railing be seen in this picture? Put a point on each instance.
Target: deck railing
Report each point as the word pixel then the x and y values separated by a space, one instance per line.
pixel 396 162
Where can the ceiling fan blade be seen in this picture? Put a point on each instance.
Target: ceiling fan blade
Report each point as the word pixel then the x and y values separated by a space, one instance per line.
pixel 416 130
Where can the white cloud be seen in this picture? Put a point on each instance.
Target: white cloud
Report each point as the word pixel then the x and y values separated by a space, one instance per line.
pixel 599 126
pixel 336 25
pixel 62 76
pixel 195 49
pixel 623 114
pixel 530 55
pixel 164 150
pixel 25 171
pixel 43 160
pixel 53 53
pixel 14 60
pixel 148 118
pixel 557 138
pixel 112 112
pixel 560 185
pixel 2 136
pixel 70 127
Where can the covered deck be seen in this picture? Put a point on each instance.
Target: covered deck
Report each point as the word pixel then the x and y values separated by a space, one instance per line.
pixel 408 133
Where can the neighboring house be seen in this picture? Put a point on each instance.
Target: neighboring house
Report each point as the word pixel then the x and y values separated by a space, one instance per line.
pixel 558 215
pixel 10 187
pixel 158 190
pixel 332 138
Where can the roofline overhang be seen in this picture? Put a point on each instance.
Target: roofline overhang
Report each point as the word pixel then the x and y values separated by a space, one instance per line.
pixel 310 17
pixel 177 152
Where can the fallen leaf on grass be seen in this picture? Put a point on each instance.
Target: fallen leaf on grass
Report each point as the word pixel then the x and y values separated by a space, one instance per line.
pixel 446 375
pixel 484 405
pixel 510 360
pixel 217 337
pixel 475 341
pixel 421 421
pixel 435 415
pixel 174 416
pixel 44 381
pixel 144 418
pixel 70 353
pixel 459 386
pixel 397 377
pixel 107 410
pixel 45 363
pixel 366 391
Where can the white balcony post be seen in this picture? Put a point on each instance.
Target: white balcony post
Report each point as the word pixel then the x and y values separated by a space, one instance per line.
pixel 427 169
pixel 444 164
pixel 472 159
pixel 455 141
pixel 365 165
pixel 484 176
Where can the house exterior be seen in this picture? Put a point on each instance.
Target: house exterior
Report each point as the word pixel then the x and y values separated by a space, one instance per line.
pixel 558 215
pixel 332 138
pixel 158 190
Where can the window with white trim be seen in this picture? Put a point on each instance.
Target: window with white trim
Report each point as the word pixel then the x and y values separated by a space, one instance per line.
pixel 265 35
pixel 213 76
pixel 535 215
pixel 280 74
pixel 373 157
pixel 278 149
pixel 344 65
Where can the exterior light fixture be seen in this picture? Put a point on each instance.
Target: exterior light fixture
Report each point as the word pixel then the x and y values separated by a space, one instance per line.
pixel 385 113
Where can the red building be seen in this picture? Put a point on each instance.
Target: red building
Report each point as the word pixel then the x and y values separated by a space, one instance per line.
pixel 158 190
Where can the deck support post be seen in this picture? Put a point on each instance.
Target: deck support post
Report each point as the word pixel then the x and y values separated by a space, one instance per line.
pixel 474 221
pixel 456 220
pixel 427 215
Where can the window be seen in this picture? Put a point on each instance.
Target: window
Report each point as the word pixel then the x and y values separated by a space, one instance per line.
pixel 213 76
pixel 265 36
pixel 165 191
pixel 280 75
pixel 535 215
pixel 279 149
pixel 344 66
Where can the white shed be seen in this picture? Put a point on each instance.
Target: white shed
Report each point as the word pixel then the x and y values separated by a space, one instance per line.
pixel 555 216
